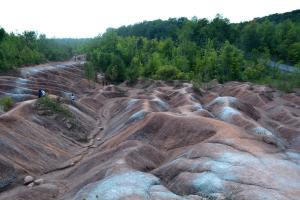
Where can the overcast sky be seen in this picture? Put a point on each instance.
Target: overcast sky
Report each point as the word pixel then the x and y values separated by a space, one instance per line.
pixel 88 18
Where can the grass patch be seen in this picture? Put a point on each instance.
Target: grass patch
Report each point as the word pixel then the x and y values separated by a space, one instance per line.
pixel 285 82
pixel 46 103
pixel 6 103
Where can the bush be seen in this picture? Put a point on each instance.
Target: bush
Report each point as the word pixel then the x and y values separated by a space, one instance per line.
pixel 196 85
pixel 253 72
pixel 46 103
pixel 132 74
pixel 6 103
pixel 115 74
pixel 90 72
pixel 167 72
pixel 286 82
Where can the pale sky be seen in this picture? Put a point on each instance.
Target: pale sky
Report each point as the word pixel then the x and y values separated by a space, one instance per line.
pixel 88 18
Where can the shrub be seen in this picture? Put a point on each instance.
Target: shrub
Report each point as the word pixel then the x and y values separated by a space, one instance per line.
pixel 286 82
pixel 115 73
pixel 90 72
pixel 167 72
pixel 196 85
pixel 6 103
pixel 52 105
pixel 254 72
pixel 132 74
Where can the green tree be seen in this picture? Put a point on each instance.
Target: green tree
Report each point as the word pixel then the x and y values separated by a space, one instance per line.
pixel 231 61
pixel 208 67
pixel 167 72
pixel 2 34
pixel 115 71
pixel 132 73
pixel 90 73
pixel 254 72
pixel 294 53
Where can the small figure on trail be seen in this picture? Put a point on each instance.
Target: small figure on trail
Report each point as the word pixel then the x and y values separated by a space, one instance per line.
pixel 41 93
pixel 72 98
pixel 101 78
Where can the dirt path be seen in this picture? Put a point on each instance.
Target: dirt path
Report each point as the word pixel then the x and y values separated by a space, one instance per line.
pixel 95 139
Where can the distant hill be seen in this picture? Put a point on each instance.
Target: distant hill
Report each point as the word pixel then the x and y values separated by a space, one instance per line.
pixel 294 16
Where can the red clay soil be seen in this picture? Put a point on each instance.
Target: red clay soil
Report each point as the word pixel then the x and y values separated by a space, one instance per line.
pixel 153 140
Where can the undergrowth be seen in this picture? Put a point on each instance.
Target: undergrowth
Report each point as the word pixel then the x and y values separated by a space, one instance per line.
pixel 6 103
pixel 46 103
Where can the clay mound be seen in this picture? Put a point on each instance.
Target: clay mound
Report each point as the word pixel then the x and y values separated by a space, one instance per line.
pixel 7 174
pixel 181 97
pixel 284 115
pixel 113 92
pixel 57 78
pixel 92 103
pixel 152 140
pixel 130 185
pixel 38 143
pixel 254 95
pixel 293 98
pixel 166 131
pixel 214 168
pixel 234 103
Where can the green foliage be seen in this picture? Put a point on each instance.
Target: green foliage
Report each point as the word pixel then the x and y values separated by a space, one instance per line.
pixel 207 65
pixel 2 34
pixel 132 74
pixel 196 49
pixel 294 53
pixel 49 104
pixel 17 50
pixel 285 82
pixel 254 72
pixel 167 72
pixel 197 85
pixel 6 103
pixel 231 61
pixel 90 72
pixel 115 73
pixel 293 16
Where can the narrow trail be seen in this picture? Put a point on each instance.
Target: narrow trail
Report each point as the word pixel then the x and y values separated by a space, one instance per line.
pixel 87 148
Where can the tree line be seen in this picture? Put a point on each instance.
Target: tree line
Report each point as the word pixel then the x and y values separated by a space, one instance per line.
pixel 278 33
pixel 197 49
pixel 29 48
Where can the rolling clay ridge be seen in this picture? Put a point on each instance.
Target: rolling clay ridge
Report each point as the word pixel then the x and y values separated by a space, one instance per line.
pixel 152 140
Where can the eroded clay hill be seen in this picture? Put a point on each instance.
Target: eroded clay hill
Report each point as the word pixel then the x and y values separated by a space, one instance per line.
pixel 152 140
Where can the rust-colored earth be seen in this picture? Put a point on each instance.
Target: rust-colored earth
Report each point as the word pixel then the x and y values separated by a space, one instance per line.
pixel 152 140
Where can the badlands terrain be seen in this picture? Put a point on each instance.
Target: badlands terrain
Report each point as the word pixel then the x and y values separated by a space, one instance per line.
pixel 153 140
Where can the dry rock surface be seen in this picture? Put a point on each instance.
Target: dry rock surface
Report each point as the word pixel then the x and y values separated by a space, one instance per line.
pixel 152 140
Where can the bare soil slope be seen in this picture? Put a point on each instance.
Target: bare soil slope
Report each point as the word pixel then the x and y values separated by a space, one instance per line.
pixel 152 140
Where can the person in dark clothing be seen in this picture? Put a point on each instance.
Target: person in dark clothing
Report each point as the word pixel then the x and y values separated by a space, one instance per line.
pixel 72 98
pixel 40 93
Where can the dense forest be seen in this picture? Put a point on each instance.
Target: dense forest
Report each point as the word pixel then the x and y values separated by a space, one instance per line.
pixel 292 16
pixel 29 48
pixel 197 50
pixel 200 50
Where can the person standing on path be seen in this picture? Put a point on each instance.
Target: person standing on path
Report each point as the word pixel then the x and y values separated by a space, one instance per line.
pixel 72 99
